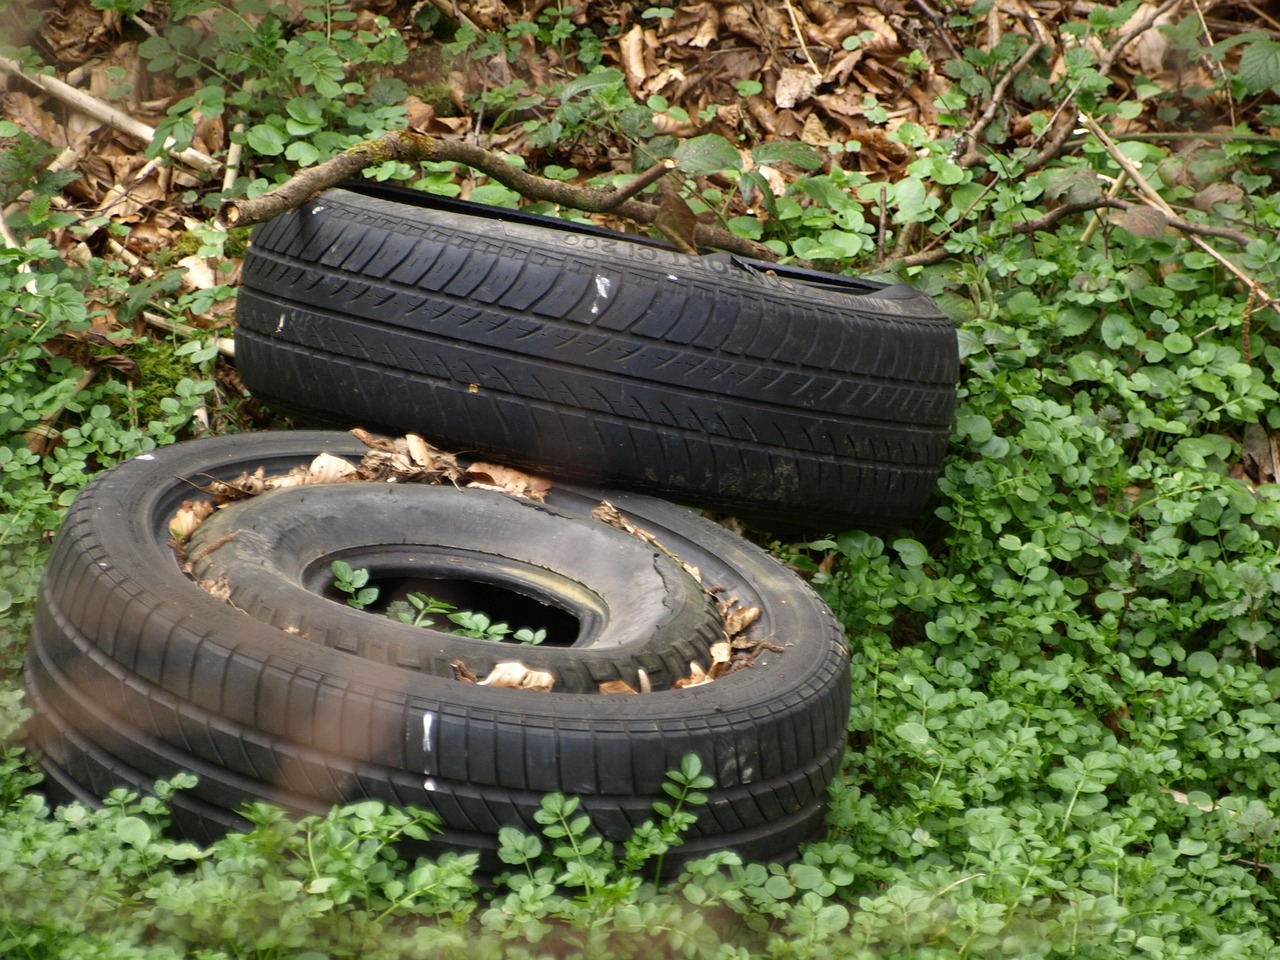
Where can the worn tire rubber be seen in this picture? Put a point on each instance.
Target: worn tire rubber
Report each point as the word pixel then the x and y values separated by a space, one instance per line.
pixel 138 672
pixel 799 399
pixel 637 612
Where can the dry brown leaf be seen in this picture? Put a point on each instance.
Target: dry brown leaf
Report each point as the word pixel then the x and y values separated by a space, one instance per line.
pixel 188 518
pixel 218 588
pixel 74 30
pixel 697 677
pixel 460 672
pixel 740 20
pixel 407 459
pixel 198 273
pixel 419 114
pixel 22 109
pixel 149 237
pixel 794 86
pixel 739 619
pixel 631 48
pixel 1220 192
pixel 420 452
pixel 492 476
pixel 677 222
pixel 326 468
pixel 1141 221
pixel 43 438
pixel 1149 48
pixel 1258 457
pixel 617 686
pixel 296 477
pixel 372 441
pixel 693 25
pixel 721 655
pixel 606 512
pixel 513 675
pixel 245 485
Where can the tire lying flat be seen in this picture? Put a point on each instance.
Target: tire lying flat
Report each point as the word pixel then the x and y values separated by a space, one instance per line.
pixel 800 399
pixel 139 672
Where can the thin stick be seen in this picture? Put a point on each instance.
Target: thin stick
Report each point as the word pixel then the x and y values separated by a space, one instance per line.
pixel 1221 70
pixel 1096 220
pixel 884 218
pixel 933 252
pixel 804 48
pixel 235 152
pixel 979 126
pixel 66 160
pixel 1153 197
pixel 93 107
pixel 414 147
pixel 939 27
pixel 1062 124
pixel 450 10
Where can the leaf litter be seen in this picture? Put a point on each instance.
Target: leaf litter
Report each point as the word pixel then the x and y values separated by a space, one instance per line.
pixel 411 459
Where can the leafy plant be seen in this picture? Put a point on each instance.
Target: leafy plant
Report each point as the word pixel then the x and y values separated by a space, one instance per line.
pixel 417 608
pixel 577 858
pixel 1066 721
pixel 299 98
pixel 354 583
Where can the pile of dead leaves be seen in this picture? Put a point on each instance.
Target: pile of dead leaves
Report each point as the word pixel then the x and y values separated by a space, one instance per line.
pixel 410 459
pixel 407 459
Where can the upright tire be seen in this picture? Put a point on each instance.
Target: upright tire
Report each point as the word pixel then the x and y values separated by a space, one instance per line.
pixel 272 690
pixel 795 398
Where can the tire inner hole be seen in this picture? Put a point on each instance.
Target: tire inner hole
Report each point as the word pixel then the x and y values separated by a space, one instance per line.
pixel 494 601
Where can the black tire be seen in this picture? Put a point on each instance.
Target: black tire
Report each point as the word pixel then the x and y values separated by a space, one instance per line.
pixel 801 399
pixel 144 673
pixel 637 612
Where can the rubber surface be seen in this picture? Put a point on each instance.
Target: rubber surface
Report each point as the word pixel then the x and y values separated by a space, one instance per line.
pixel 637 611
pixel 138 672
pixel 799 399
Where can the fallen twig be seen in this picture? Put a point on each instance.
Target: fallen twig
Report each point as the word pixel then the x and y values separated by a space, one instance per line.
pixel 936 252
pixel 1096 220
pixel 450 9
pixel 408 146
pixel 93 107
pixel 969 137
pixel 1159 203
pixel 939 27
pixel 235 152
pixel 975 130
pixel 804 47
pixel 1060 129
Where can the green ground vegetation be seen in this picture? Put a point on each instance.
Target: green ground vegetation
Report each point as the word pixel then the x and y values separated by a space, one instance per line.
pixel 1065 738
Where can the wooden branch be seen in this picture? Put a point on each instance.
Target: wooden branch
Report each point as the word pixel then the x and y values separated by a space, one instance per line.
pixel 411 147
pixel 1065 117
pixel 450 9
pixel 1096 220
pixel 91 106
pixel 935 253
pixel 1157 201
pixel 804 47
pixel 969 136
pixel 975 130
